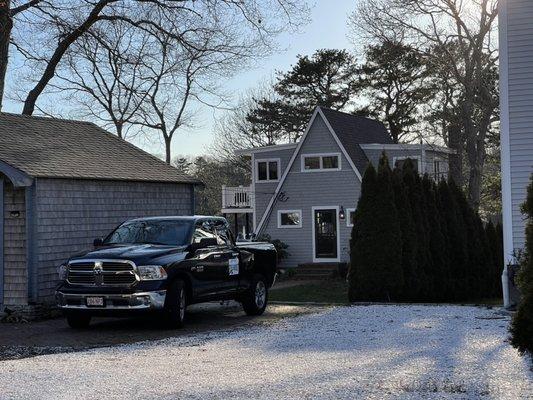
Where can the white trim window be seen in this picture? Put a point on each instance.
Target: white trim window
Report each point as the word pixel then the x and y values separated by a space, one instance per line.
pixel 321 162
pixel 267 170
pixel 289 219
pixel 398 162
pixel 350 215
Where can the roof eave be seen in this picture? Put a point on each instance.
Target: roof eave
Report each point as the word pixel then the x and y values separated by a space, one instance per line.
pixel 18 177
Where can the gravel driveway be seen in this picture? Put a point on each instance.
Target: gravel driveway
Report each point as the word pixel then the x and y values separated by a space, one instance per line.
pixel 374 352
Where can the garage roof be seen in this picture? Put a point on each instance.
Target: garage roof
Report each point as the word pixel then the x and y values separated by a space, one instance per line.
pixel 59 148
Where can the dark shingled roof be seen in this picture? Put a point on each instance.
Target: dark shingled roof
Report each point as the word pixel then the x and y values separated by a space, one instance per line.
pixel 58 148
pixel 353 130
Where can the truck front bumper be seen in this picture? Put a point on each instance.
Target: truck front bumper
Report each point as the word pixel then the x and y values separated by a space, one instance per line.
pixel 121 302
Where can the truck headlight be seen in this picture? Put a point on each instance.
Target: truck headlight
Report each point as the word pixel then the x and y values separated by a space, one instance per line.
pixel 151 272
pixel 62 271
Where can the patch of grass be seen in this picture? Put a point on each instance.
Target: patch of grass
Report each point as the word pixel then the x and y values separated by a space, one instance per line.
pixel 335 291
pixel 329 291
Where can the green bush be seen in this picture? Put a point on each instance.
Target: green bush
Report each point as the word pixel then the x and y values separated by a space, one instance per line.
pixel 522 324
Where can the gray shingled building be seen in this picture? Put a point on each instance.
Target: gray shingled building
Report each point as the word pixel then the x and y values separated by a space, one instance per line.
pixel 64 183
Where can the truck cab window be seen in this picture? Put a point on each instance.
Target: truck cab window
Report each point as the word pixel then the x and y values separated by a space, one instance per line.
pixel 203 230
pixel 225 237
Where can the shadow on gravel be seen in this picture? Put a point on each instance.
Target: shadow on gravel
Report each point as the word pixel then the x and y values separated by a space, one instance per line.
pixel 55 336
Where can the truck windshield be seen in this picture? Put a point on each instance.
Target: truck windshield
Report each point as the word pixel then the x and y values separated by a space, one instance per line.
pixel 159 232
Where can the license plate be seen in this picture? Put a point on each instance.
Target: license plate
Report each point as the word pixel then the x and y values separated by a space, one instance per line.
pixel 95 301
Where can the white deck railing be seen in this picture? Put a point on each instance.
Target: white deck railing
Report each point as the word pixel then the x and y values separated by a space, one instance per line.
pixel 237 197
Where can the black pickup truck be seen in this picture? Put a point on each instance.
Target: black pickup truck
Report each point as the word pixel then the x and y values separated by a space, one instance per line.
pixel 164 264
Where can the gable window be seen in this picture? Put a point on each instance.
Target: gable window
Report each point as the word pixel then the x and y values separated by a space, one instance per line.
pixel 321 162
pixel 350 216
pixel 311 163
pixel 267 170
pixel 330 162
pixel 289 218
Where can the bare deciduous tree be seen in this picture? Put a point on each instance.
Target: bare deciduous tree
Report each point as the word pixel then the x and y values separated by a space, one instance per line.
pixel 44 36
pixel 445 24
pixel 175 79
pixel 235 131
pixel 103 74
pixel 8 10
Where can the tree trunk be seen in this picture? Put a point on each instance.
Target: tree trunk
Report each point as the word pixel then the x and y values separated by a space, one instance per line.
pixel 476 158
pixel 6 24
pixel 455 142
pixel 119 127
pixel 394 131
pixel 168 142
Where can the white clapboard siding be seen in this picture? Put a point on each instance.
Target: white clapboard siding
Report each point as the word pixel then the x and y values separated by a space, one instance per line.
pixel 516 26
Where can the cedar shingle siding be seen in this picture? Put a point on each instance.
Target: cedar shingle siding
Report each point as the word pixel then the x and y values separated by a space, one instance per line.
pixel 72 213
pixel 70 182
pixel 15 271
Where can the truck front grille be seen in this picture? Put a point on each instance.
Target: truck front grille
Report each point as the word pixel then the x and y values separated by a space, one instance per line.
pixel 101 273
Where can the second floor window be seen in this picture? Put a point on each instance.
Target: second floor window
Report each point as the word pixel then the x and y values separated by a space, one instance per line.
pixel 320 162
pixel 267 170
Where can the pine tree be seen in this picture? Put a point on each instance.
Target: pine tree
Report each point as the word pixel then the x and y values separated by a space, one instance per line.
pixel 409 244
pixel 522 324
pixel 437 245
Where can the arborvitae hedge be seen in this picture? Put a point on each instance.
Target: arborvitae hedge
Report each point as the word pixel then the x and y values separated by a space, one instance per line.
pixel 376 251
pixel 412 283
pixel 361 258
pixel 522 324
pixel 416 240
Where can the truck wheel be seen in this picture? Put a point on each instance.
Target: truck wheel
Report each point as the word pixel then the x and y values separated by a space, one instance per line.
pixel 78 321
pixel 175 304
pixel 255 301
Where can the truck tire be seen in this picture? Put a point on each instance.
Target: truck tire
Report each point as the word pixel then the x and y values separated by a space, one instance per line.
pixel 175 304
pixel 255 300
pixel 78 320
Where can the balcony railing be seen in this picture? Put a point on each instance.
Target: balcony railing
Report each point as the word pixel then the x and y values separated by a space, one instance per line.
pixel 237 197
